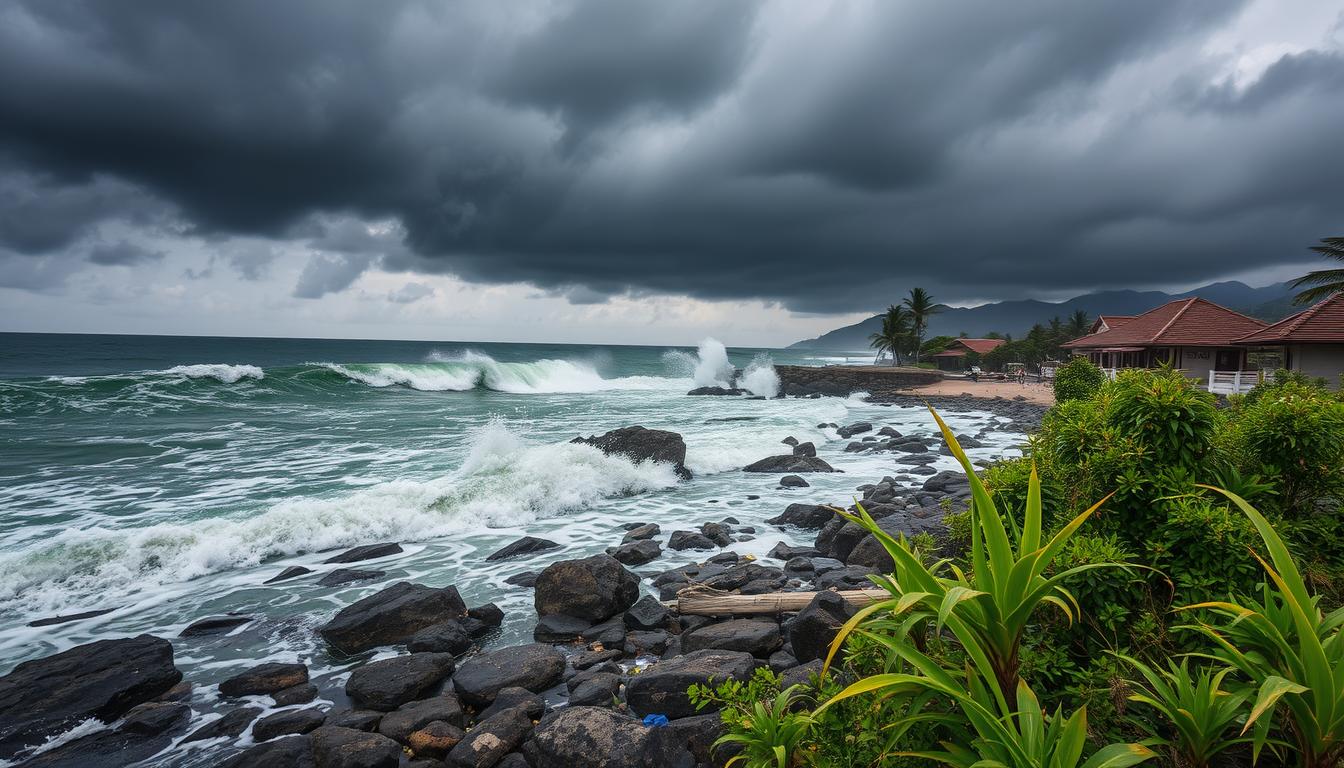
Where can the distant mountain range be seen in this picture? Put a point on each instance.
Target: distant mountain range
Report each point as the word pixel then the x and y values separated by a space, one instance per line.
pixel 1272 302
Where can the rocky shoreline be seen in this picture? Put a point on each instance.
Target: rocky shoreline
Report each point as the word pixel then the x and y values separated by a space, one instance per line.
pixel 603 684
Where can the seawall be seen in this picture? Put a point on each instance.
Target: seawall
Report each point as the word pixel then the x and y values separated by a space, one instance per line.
pixel 802 380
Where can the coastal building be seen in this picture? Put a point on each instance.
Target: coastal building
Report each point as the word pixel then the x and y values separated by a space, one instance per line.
pixel 1193 335
pixel 1107 322
pixel 1311 341
pixel 954 357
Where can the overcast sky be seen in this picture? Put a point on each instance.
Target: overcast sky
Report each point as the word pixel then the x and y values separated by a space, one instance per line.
pixel 646 172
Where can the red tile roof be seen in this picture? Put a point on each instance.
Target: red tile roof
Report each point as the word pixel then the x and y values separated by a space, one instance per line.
pixel 1191 322
pixel 1321 323
pixel 1110 321
pixel 974 345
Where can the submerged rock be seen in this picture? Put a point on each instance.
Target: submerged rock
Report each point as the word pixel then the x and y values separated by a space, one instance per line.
pixel 292 572
pixel 214 625
pixel 809 516
pixel 104 679
pixel 346 575
pixel 789 464
pixel 366 552
pixel 527 545
pixel 640 444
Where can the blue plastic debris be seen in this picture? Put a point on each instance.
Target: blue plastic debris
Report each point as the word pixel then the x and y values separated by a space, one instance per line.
pixel 655 721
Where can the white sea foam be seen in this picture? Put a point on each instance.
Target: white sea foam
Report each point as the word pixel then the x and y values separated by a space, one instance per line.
pixel 223 372
pixel 505 481
pixel 760 377
pixel 421 376
pixel 468 370
pixel 708 367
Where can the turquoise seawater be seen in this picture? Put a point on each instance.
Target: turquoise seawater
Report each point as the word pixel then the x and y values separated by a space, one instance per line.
pixel 166 478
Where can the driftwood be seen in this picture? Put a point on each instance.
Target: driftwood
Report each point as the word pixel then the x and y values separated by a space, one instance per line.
pixel 708 602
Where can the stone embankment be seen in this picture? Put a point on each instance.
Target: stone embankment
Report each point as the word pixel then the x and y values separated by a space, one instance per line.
pixel 842 380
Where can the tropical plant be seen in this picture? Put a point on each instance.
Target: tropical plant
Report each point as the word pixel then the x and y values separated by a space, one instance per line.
pixel 762 720
pixel 1290 650
pixel 1325 282
pixel 1197 711
pixel 989 610
pixel 895 333
pixel 921 307
pixel 1077 379
pixel 1078 324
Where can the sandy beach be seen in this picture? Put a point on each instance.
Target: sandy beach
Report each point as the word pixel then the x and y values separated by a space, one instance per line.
pixel 1040 394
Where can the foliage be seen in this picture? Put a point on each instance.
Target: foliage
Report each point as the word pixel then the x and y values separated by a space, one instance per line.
pixel 1293 432
pixel 1204 548
pixel 1173 421
pixel 922 307
pixel 1197 714
pixel 1325 282
pixel 1077 379
pixel 1290 650
pixel 895 336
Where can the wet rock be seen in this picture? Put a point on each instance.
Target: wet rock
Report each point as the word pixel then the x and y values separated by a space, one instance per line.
pixel 52 621
pixel 265 678
pixel 647 614
pixel 759 637
pixel 807 516
pixel 805 449
pixel 510 698
pixel 589 659
pixel 444 637
pixel 789 464
pixel 408 718
pixel 347 575
pixel 287 722
pixel 366 552
pixel 661 688
pixel 526 580
pixel 289 752
pixel 231 725
pixel 641 532
pixel 803 674
pixel 793 481
pixel 559 628
pixel 298 694
pixel 652 641
pixel 597 737
pixel 947 481
pixel 782 551
pixel 155 717
pixel 387 684
pixel 528 545
pixel 856 428
pixel 292 572
pixel 636 552
pixel 103 679
pixel 358 719
pixel 698 735
pixel 435 739
pixel 489 614
pixel 719 391
pixel 781 660
pixel 215 625
pixel 814 628
pixel 849 577
pixel 640 444
pixel 535 667
pixel 335 747
pixel 392 615
pixel 888 432
pixel 683 540
pixel 719 533
pixel 593 588
pixel 790 441
pixel 596 691
pixel 491 739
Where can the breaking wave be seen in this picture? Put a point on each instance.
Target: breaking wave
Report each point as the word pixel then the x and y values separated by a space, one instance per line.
pixel 470 370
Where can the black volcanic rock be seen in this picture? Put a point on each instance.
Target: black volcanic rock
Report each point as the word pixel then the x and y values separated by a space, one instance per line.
pixel 525 546
pixel 387 684
pixel 535 666
pixel 103 679
pixel 392 615
pixel 789 464
pixel 640 444
pixel 366 552
pixel 265 678
pixel 594 588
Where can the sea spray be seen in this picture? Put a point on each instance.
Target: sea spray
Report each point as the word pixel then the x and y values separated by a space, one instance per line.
pixel 708 367
pixel 760 378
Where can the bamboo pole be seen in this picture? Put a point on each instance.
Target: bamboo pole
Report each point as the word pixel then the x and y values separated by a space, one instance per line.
pixel 708 603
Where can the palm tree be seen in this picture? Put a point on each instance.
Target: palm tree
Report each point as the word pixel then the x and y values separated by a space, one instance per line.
pixel 1078 324
pixel 921 307
pixel 1326 281
pixel 894 335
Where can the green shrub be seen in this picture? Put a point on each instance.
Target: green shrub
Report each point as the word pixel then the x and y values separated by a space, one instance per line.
pixel 1077 379
pixel 1293 432
pixel 1205 549
pixel 1171 421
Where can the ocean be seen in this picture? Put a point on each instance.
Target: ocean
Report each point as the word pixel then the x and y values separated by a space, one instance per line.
pixel 166 478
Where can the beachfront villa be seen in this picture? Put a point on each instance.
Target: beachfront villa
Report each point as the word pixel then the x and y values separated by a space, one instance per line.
pixel 954 357
pixel 1227 350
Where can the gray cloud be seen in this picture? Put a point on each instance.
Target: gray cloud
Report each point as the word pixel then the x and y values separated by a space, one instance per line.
pixel 820 156
pixel 410 293
pixel 122 254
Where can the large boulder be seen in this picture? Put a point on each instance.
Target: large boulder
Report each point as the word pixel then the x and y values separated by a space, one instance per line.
pixel 815 627
pixel 759 637
pixel 789 464
pixel 594 588
pixel 491 739
pixel 287 722
pixel 408 718
pixel 855 429
pixel 289 752
pixel 103 680
pixel 636 552
pixel 387 684
pixel 596 737
pixel 640 444
pixel 535 666
pixel 809 516
pixel 335 747
pixel 661 688
pixel 869 552
pixel 392 615
pixel 366 552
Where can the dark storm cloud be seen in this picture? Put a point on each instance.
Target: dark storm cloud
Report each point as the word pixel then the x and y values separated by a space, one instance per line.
pixel 819 155
pixel 122 254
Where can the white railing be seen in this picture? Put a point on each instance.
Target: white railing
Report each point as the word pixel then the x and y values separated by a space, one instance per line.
pixel 1110 372
pixel 1232 382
